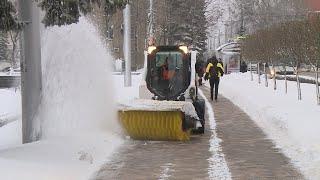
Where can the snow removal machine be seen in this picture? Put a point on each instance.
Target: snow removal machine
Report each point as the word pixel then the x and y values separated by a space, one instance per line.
pixel 173 111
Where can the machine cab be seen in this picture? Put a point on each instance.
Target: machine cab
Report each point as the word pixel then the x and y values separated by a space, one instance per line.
pixel 168 71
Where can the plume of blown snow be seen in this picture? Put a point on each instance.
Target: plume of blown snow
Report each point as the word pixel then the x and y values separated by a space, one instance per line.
pixel 77 85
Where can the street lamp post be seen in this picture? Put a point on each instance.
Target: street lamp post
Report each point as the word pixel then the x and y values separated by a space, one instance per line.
pixel 127 44
pixel 31 85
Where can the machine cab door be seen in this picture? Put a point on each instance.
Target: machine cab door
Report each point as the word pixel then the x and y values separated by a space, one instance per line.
pixel 169 72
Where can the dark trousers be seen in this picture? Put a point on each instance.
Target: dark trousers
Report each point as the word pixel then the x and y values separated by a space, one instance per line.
pixel 200 81
pixel 214 84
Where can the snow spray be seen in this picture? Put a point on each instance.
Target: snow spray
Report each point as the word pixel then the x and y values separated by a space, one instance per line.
pixel 77 85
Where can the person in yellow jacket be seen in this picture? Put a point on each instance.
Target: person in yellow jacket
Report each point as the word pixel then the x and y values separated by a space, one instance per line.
pixel 214 71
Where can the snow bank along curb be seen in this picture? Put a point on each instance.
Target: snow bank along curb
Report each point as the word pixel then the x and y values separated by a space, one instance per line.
pixel 218 168
pixel 293 125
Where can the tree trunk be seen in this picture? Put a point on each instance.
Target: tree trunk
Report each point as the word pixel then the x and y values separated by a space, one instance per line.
pixel 298 84
pixel 259 78
pixel 251 71
pixel 12 55
pixel 317 83
pixel 265 75
pixel 285 80
pixel 274 78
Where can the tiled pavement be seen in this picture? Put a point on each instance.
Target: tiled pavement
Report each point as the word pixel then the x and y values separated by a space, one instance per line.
pixel 248 152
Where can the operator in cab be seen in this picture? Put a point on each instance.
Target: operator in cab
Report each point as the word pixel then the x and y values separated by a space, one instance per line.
pixel 165 70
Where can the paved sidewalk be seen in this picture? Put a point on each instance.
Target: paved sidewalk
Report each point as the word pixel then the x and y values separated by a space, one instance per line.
pixel 248 152
pixel 160 160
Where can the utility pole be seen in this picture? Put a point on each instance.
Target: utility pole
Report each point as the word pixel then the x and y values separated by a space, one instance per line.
pixel 127 45
pixel 242 28
pixel 150 28
pixel 151 20
pixel 31 75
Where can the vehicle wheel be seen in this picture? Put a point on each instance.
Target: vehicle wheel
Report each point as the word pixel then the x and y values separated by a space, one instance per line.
pixel 201 130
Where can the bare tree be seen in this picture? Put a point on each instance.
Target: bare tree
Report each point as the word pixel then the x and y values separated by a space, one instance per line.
pixel 313 37
pixel 15 50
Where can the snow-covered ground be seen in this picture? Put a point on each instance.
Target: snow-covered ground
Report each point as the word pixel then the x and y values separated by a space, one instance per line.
pixel 70 158
pixel 10 106
pixel 10 135
pixel 293 125
pixel 61 158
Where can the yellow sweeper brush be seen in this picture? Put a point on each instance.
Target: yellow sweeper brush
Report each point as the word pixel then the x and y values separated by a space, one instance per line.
pixel 158 120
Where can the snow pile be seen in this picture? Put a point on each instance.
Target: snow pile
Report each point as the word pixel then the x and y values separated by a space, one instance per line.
pixel 125 94
pixel 10 106
pixel 293 125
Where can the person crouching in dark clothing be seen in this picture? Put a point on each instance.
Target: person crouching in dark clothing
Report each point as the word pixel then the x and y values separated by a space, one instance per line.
pixel 214 71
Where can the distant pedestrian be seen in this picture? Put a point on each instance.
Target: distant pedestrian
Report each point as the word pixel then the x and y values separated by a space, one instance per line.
pixel 200 71
pixel 243 67
pixel 214 71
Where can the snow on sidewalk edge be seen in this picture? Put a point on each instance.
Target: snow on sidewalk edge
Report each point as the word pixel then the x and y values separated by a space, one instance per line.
pixel 218 168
